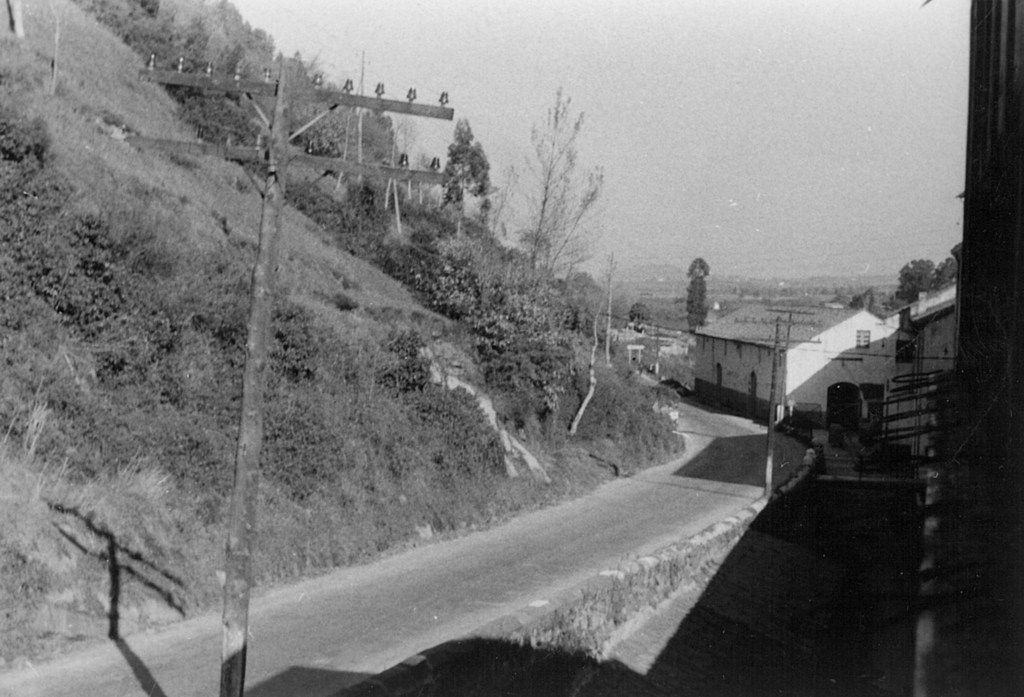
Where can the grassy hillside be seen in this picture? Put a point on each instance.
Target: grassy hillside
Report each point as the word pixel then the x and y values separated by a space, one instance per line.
pixel 124 280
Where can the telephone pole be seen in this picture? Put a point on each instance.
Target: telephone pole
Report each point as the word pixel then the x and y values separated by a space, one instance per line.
pixel 242 517
pixel 771 414
pixel 772 407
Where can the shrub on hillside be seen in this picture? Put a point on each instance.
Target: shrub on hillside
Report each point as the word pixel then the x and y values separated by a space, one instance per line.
pixel 464 444
pixel 357 226
pixel 22 141
pixel 404 368
pixel 622 411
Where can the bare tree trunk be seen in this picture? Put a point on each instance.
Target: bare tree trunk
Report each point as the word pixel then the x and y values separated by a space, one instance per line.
pixel 56 47
pixel 242 517
pixel 593 383
pixel 608 328
pixel 398 212
pixel 362 74
pixel 17 18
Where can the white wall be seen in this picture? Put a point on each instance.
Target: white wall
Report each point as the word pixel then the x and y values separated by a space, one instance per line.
pixel 833 356
pixel 810 367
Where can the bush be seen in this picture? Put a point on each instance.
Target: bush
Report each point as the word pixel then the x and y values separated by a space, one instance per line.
pixel 22 141
pixel 405 369
pixel 464 446
pixel 622 411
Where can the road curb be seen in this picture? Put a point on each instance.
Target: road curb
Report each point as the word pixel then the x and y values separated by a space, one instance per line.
pixel 580 619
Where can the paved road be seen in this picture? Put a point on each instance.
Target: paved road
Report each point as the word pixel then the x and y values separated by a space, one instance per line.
pixel 318 636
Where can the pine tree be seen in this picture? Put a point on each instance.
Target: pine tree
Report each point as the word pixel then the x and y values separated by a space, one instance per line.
pixel 696 294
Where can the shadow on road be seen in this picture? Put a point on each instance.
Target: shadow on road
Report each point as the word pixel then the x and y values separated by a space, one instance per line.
pixel 741 460
pixel 485 667
pixel 817 598
pixel 307 682
pixel 146 680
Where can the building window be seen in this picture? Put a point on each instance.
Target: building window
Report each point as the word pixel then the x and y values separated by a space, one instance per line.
pixel 863 338
pixel 906 351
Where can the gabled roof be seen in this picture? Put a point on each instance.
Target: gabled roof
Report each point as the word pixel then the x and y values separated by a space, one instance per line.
pixel 755 324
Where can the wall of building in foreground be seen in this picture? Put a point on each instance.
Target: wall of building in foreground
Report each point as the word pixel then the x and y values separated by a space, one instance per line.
pixel 738 360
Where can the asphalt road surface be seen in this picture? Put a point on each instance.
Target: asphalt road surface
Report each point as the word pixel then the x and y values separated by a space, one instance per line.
pixel 318 636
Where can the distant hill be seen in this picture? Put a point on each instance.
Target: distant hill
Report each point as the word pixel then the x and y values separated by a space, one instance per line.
pixel 670 281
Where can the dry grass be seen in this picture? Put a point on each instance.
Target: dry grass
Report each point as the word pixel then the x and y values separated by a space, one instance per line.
pixel 212 200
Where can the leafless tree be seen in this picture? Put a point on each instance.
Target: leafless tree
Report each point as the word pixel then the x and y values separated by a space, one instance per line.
pixel 501 203
pixel 563 204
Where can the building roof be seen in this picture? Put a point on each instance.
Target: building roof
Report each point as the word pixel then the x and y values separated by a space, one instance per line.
pixel 755 324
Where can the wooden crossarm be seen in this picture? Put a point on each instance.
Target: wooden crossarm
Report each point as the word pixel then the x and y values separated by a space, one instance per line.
pixel 251 154
pixel 209 83
pixel 218 83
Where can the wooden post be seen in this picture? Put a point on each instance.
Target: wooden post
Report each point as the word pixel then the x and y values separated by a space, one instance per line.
pixel 771 414
pixel 242 516
pixel 608 326
pixel 398 212
pixel 359 112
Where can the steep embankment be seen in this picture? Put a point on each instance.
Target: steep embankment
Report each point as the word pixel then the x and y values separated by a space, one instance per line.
pixel 124 280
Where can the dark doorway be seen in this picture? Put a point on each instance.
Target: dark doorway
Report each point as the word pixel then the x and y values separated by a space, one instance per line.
pixel 752 398
pixel 844 405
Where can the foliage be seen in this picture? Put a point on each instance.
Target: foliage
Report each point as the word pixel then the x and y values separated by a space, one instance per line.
pixel 465 444
pixel 129 324
pixel 620 412
pixel 217 36
pixel 358 227
pixel 915 277
pixel 22 142
pixel 467 170
pixel 696 293
pixel 405 369
pixel 564 201
pixel 922 275
pixel 945 274
pixel 639 315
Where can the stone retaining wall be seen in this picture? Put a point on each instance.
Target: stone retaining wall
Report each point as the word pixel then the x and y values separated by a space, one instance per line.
pixel 578 622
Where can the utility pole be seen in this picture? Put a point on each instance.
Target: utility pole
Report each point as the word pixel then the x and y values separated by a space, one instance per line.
pixel 771 414
pixel 359 142
pixel 242 516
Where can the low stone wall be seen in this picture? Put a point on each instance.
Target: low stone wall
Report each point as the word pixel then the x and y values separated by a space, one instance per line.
pixel 576 624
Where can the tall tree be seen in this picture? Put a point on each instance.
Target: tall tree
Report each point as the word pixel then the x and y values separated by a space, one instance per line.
pixel 697 293
pixel 639 315
pixel 564 201
pixel 915 277
pixel 467 171
pixel 945 274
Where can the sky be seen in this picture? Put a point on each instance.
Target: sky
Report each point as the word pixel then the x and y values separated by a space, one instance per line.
pixel 783 138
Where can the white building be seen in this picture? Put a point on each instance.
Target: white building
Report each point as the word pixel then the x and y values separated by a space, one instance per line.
pixel 834 363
